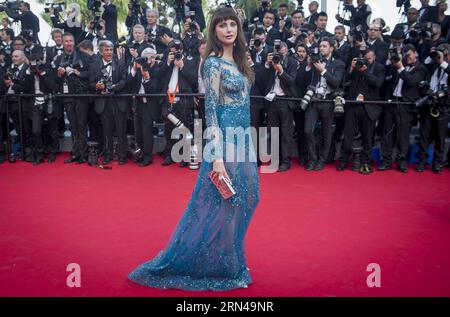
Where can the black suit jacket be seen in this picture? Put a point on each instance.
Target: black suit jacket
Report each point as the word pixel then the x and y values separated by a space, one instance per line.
pixel 76 84
pixel 334 75
pixel 110 17
pixel 22 83
pixel 28 20
pixel 430 15
pixel 381 49
pixel 287 78
pixel 343 53
pixel 150 87
pixel 187 77
pixel 411 80
pixel 368 84
pixel 302 79
pixel 119 80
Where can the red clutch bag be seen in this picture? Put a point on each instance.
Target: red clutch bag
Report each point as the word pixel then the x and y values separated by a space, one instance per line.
pixel 222 184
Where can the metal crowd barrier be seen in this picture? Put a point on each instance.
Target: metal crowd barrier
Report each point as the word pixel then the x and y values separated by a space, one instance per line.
pixel 133 96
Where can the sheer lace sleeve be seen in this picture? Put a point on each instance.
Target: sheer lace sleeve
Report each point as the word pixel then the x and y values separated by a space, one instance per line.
pixel 212 72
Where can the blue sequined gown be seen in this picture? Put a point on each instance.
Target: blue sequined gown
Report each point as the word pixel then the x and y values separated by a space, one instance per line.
pixel 206 250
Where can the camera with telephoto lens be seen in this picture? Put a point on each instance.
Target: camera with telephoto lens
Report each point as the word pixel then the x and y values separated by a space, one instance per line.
pixel 36 64
pixel 339 101
pixel 57 7
pixel 314 54
pixel 420 31
pixel 276 52
pixel 357 33
pixel 177 45
pixel 143 61
pixel 12 5
pixel 306 99
pixel 265 3
pixel 9 75
pixel 106 79
pixel 192 24
pixel 436 100
pixel 395 55
pixel 434 53
pixel 361 62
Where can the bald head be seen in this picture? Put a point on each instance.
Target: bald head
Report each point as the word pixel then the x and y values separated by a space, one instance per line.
pixel 18 57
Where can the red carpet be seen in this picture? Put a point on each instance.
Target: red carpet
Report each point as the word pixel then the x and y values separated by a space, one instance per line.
pixel 313 234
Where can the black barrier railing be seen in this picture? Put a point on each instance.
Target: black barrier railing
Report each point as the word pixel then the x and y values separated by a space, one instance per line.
pixel 134 96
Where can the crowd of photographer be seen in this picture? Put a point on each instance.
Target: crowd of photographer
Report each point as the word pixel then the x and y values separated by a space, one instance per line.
pixel 359 85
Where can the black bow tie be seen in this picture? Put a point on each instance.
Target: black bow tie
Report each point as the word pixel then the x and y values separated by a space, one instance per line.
pixel 15 69
pixel 107 64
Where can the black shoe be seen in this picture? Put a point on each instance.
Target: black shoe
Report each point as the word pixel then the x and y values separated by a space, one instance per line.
pixel 303 161
pixel 122 161
pixel 167 161
pixel 319 166
pixel 38 160
pixel 146 162
pixel 52 157
pixel 184 164
pixel 401 166
pixel 365 169
pixel 341 166
pixel 82 160
pixel 436 168
pixel 71 159
pixel 284 167
pixel 106 160
pixel 2 159
pixel 420 167
pixel 385 166
pixel 309 166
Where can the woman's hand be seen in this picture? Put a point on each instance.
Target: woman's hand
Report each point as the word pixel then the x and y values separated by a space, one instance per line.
pixel 219 168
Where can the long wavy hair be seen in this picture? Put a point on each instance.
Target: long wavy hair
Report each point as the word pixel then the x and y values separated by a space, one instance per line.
pixel 213 44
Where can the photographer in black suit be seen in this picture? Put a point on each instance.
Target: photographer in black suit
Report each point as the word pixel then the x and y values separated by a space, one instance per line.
pixel 327 77
pixel 144 78
pixel 398 119
pixel 28 20
pixel 72 73
pixel 359 14
pixel 110 17
pixel 180 76
pixel 71 24
pixel 155 31
pixel 17 81
pixel 108 79
pixel 280 73
pixel 367 77
pixel 302 81
pixel 258 47
pixel 434 116
pixel 44 107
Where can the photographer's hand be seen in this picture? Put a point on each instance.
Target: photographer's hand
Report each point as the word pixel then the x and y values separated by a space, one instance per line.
pixel 100 86
pixel 179 63
pixel 8 82
pixel 278 68
pixel 440 59
pixel 61 71
pixel 353 66
pixel 363 69
pixel 145 74
pixel 269 59
pixel 320 67
pixel 133 52
pixel 170 58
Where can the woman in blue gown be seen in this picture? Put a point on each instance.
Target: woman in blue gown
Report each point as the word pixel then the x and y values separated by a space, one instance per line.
pixel 206 250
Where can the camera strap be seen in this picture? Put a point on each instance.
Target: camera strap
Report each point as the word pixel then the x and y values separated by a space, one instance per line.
pixel 172 96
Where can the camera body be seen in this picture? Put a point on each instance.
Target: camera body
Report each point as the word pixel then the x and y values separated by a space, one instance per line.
pixel 276 52
pixel 420 31
pixel 143 61
pixel 314 54
pixel 36 64
pixel 357 33
pixel 361 62
pixel 395 55
pixel 106 79
pixel 430 97
pixel 57 7
pixel 11 5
